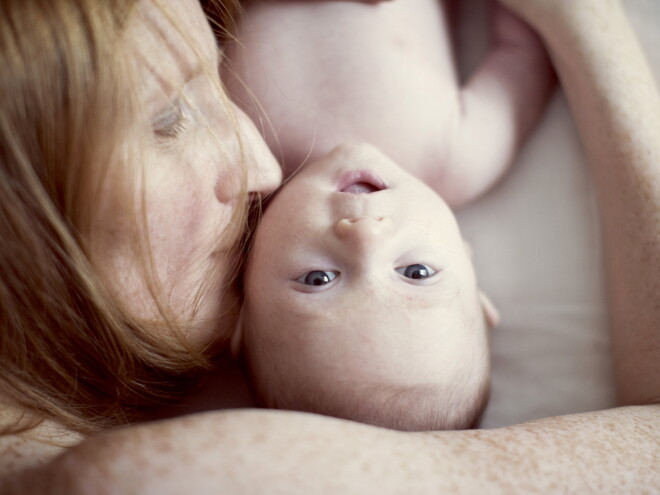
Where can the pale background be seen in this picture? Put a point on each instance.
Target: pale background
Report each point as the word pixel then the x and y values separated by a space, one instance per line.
pixel 537 254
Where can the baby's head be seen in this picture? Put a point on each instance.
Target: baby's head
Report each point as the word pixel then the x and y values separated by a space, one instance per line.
pixel 361 300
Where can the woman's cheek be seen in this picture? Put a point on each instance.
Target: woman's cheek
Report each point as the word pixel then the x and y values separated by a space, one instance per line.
pixel 185 228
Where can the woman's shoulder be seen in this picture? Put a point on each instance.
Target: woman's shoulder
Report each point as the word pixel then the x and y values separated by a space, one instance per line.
pixel 25 455
pixel 48 460
pixel 51 459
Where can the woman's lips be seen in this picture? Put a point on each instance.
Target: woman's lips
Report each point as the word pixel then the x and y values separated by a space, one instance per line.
pixel 360 182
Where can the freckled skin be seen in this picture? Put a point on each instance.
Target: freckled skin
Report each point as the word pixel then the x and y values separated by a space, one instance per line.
pixel 219 456
pixel 32 451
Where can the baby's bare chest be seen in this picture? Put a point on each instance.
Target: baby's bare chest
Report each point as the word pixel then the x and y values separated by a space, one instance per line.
pixel 406 42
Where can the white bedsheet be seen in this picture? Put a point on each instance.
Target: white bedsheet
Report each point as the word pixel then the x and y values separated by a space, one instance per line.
pixel 538 255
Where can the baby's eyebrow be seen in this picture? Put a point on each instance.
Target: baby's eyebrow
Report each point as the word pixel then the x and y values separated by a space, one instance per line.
pixel 428 298
pixel 431 299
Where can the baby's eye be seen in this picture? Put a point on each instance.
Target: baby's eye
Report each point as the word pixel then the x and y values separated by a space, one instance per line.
pixel 416 271
pixel 317 277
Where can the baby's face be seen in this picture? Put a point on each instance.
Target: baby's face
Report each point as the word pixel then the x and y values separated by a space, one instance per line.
pixel 361 300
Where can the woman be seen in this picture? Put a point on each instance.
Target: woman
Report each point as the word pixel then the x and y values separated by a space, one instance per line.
pixel 268 451
pixel 123 198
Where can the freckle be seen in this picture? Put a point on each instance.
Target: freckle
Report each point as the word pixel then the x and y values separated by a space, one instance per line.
pixel 166 447
pixel 366 466
pixel 161 470
pixel 259 438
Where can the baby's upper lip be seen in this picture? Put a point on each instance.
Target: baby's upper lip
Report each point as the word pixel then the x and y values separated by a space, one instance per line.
pixel 354 206
pixel 360 181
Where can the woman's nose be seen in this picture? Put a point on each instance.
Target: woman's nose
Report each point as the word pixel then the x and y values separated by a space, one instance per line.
pixel 364 233
pixel 264 174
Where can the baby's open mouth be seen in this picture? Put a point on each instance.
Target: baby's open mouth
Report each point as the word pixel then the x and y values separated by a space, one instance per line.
pixel 360 182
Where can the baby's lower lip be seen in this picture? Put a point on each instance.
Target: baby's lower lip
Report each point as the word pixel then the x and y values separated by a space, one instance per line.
pixel 360 182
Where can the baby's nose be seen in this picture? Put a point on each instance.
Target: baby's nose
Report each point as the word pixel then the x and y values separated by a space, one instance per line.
pixel 364 232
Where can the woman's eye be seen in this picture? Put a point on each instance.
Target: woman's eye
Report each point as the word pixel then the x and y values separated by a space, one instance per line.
pixel 317 277
pixel 417 271
pixel 172 121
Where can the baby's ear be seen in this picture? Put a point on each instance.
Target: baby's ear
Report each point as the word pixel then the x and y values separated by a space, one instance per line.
pixel 236 340
pixel 491 315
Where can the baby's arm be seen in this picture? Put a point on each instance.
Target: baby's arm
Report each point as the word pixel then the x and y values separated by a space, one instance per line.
pixel 501 103
pixel 617 109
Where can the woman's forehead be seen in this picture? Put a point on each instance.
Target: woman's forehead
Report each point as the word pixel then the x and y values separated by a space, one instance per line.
pixel 172 40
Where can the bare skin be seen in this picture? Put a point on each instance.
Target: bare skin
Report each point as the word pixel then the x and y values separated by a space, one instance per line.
pixel 276 452
pixel 617 109
pixel 385 75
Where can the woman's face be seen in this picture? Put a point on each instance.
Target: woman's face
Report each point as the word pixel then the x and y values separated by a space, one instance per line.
pixel 184 183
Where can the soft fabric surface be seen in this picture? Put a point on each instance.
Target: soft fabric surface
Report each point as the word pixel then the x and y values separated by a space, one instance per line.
pixel 538 255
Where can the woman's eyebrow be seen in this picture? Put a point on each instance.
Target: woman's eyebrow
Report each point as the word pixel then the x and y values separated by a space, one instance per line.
pixel 187 62
pixel 161 85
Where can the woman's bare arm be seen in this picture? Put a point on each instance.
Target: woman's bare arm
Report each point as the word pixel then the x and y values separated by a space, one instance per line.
pixel 616 104
pixel 275 452
pixel 619 119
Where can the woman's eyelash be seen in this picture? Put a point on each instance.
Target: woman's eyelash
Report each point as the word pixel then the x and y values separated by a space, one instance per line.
pixel 171 122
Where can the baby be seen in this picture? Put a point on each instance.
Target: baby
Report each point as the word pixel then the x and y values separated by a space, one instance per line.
pixel 361 300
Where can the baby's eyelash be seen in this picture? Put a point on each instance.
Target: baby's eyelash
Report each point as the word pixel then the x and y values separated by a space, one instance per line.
pixel 172 122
